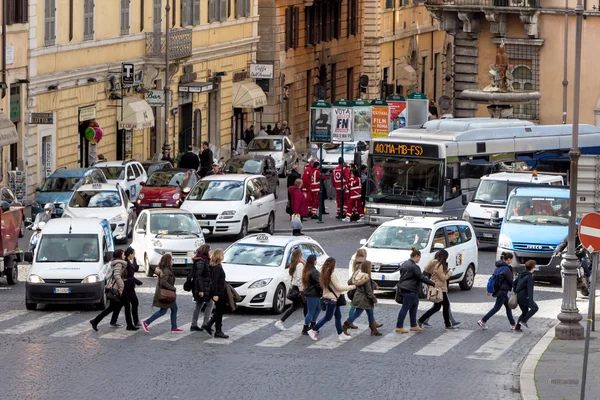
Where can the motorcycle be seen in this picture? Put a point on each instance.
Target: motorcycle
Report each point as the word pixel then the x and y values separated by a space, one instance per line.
pixel 583 270
pixel 35 238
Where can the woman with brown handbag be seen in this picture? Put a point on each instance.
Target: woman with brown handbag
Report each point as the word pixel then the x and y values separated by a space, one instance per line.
pixel 164 296
pixel 440 273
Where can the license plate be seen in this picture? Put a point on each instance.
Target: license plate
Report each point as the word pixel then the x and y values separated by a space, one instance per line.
pixel 156 204
pixel 205 223
pixel 180 261
pixel 383 277
pixel 488 235
pixel 61 290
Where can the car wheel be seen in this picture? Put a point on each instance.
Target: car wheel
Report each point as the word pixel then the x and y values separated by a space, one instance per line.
pixel 270 228
pixel 30 306
pixel 149 270
pixel 284 171
pixel 423 292
pixel 275 192
pixel 278 300
pixel 12 274
pixel 101 305
pixel 469 278
pixel 243 230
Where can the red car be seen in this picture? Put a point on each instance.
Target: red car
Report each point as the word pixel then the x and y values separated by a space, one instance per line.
pixel 166 188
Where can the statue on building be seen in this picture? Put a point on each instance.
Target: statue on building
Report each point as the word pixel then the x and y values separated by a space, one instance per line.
pixel 501 76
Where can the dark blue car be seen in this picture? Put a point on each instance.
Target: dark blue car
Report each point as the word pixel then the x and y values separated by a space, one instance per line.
pixel 59 187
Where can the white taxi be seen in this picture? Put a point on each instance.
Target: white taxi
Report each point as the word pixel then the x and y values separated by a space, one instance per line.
pixel 103 200
pixel 390 245
pixel 128 174
pixel 257 267
pixel 158 232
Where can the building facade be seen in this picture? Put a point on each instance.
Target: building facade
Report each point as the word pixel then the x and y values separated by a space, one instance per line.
pixel 80 58
pixel 533 32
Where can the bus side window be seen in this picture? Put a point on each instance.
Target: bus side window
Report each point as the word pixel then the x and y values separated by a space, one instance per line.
pixel 452 180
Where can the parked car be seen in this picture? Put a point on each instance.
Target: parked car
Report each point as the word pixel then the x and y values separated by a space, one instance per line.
pixel 166 231
pixel 280 148
pixel 166 188
pixel 255 165
pixel 128 174
pixel 232 204
pixel 59 187
pixel 153 166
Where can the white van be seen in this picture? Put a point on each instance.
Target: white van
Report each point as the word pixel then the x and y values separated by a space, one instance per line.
pixel 491 196
pixel 71 263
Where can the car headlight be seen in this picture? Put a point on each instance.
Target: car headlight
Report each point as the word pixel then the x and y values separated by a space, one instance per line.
pixel 119 218
pixel 156 243
pixel 466 215
pixel 34 279
pixel 186 190
pixel 91 279
pixel 35 204
pixel 504 241
pixel 176 196
pixel 199 243
pixel 141 196
pixel 260 283
pixel 372 211
pixel 227 214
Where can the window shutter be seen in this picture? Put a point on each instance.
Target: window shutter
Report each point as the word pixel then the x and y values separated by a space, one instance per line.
pixel 11 15
pixel 50 23
pixel 296 26
pixel 288 24
pixel 124 17
pixel 338 19
pixel 212 11
pixel 222 10
pixel 317 17
pixel 238 8
pixel 307 26
pixel 88 20
pixel 196 11
pixel 184 13
pixel 248 4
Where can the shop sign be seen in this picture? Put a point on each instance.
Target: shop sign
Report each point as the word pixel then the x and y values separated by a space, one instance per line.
pixel 156 98
pixel 10 54
pixel 42 118
pixel 15 107
pixel 87 113
pixel 261 71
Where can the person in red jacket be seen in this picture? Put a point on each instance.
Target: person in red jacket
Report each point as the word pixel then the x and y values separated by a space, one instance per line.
pixel 339 172
pixel 306 177
pixel 355 205
pixel 299 205
pixel 315 188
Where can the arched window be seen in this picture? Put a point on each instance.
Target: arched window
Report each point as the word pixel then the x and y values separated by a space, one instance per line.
pixel 523 80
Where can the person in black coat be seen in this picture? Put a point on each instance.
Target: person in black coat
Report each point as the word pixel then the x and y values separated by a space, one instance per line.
pixel 219 295
pixel 201 286
pixel 189 160
pixel 129 297
pixel 249 135
pixel 505 276
pixel 206 159
pixel 523 287
pixel 291 179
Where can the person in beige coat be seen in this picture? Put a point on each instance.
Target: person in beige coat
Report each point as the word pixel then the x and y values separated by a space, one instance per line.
pixel 440 273
pixel 118 274
pixel 165 282
pixel 332 290
pixel 364 298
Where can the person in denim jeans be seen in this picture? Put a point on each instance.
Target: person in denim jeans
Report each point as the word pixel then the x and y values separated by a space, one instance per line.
pixel 505 277
pixel 312 293
pixel 364 298
pixel 409 285
pixel 332 290
pixel 166 281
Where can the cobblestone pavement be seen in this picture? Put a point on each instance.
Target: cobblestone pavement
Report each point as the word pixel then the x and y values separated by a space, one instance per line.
pixel 53 354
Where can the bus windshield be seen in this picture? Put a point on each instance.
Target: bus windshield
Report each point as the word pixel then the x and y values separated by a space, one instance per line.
pixel 407 180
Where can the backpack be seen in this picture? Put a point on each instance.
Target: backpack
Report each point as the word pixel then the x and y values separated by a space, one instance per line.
pixel 495 282
pixel 189 280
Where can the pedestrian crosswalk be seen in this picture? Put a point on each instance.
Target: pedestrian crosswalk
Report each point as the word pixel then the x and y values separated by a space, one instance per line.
pixel 261 332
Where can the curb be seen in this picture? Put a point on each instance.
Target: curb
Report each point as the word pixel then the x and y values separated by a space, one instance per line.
pixel 527 378
pixel 323 229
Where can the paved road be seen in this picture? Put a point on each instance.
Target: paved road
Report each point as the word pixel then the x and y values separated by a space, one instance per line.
pixel 53 354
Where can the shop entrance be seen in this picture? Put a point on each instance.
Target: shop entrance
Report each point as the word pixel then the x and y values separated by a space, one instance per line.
pixel 214 123
pixel 185 126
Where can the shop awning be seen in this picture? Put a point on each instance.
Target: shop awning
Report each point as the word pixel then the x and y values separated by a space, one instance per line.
pixel 248 95
pixel 406 75
pixel 137 114
pixel 8 131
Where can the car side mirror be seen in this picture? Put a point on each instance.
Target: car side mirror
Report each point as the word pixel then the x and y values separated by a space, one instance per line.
pixel 250 200
pixel 363 242
pixel 130 205
pixel 28 256
pixel 438 246
pixel 141 231
pixel 4 206
pixel 142 183
pixel 108 255
pixel 131 178
pixel 286 150
pixel 61 206
pixel 38 189
pixel 465 199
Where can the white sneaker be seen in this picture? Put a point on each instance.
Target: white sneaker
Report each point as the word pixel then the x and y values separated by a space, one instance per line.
pixel 279 325
pixel 361 220
pixel 482 324
pixel 343 337
pixel 346 219
pixel 313 335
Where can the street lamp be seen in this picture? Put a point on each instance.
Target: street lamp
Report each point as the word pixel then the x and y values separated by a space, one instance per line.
pixel 569 327
pixel 166 147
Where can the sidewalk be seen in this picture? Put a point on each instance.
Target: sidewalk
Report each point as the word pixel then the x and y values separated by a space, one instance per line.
pixel 553 369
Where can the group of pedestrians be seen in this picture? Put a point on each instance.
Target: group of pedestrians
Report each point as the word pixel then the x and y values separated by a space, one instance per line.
pixel 203 162
pixel 208 286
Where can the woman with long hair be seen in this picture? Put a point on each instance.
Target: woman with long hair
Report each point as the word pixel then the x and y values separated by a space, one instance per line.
pixel 440 273
pixel 411 278
pixel 332 290
pixel 312 292
pixel 118 274
pixel 219 295
pixel 295 267
pixel 364 298
pixel 359 257
pixel 129 298
pixel 164 295
pixel 201 286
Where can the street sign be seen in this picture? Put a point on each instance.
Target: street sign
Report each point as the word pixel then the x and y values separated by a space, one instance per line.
pixel 127 74
pixel 589 231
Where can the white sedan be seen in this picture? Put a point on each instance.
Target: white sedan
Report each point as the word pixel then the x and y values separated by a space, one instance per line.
pixel 158 232
pixel 257 267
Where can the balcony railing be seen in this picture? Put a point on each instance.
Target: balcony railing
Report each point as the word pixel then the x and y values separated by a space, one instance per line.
pixel 486 3
pixel 180 44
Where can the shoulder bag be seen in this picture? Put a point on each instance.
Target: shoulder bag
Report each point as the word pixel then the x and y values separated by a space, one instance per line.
pixel 399 298
pixel 435 295
pixel 166 296
pixel 294 293
pixel 350 282
pixel 513 300
pixel 340 300
pixel 112 294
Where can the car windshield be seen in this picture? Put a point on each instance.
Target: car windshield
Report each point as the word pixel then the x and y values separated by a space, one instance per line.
pixel 95 198
pixel 254 255
pixel 176 223
pixel 114 173
pixel 217 191
pixel 493 192
pixel 60 184
pixel 336 148
pixel 166 178
pixel 251 166
pixel 538 210
pixel 399 238
pixel 68 248
pixel 260 144
pixel 156 167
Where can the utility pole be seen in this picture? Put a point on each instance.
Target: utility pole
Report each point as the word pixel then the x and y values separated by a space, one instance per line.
pixel 569 327
pixel 565 82
pixel 166 147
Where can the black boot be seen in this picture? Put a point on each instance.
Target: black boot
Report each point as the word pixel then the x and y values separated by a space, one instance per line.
pixel 208 327
pixel 305 330
pixel 219 334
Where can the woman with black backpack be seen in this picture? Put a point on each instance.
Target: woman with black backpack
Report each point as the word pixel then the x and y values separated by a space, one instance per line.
pixel 201 286
pixel 504 278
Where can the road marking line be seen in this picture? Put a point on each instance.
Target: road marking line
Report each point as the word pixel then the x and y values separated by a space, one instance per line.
pixel 443 343
pixel 122 333
pixel 152 290
pixel 36 323
pixel 241 330
pixel 172 337
pixel 75 330
pixel 282 338
pixel 332 342
pixel 12 314
pixel 388 342
pixel 495 347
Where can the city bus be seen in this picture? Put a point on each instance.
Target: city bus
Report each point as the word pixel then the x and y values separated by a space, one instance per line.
pixel 427 170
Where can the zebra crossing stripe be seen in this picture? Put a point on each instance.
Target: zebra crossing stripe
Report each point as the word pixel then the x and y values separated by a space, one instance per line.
pixel 495 347
pixel 123 333
pixel 173 337
pixel 77 329
pixel 332 342
pixel 284 337
pixel 443 343
pixel 12 314
pixel 36 323
pixel 388 342
pixel 241 330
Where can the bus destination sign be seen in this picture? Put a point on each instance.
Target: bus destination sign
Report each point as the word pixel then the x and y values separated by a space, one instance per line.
pixel 406 149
